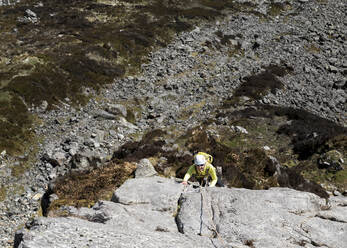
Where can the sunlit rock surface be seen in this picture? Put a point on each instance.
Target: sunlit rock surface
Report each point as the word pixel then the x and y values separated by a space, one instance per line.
pixel 159 212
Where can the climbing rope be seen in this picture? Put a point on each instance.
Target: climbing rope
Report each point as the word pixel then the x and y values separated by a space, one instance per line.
pixel 201 210
pixel 214 228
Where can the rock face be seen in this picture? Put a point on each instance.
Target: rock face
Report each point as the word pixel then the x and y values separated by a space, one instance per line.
pixel 145 169
pixel 159 212
pixel 278 217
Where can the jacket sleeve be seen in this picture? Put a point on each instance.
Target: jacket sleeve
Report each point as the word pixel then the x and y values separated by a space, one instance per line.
pixel 212 172
pixel 189 173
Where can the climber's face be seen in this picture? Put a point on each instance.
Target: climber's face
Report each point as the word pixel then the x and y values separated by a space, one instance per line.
pixel 200 167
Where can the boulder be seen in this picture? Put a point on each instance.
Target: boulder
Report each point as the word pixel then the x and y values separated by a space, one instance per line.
pixel 239 129
pixel 122 121
pixel 145 169
pixel 331 160
pixel 101 114
pixel 55 158
pixel 98 136
pixel 84 160
pixel 117 109
pixel 161 193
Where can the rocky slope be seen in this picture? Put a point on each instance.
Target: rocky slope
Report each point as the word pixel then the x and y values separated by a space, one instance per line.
pixel 228 86
pixel 159 212
pixel 7 2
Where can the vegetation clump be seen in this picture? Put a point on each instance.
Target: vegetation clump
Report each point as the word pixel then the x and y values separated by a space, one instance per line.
pixel 86 188
pixel 257 86
pixel 15 124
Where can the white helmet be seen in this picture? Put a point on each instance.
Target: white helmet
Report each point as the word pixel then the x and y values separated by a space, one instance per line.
pixel 199 159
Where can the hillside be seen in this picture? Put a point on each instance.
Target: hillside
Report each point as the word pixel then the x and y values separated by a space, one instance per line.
pixel 260 85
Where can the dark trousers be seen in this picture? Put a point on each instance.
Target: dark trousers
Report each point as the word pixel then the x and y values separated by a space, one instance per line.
pixel 204 180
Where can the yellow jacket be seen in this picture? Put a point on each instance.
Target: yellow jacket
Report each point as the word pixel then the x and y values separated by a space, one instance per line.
pixel 208 170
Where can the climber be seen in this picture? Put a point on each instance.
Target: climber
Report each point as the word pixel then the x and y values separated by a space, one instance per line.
pixel 202 170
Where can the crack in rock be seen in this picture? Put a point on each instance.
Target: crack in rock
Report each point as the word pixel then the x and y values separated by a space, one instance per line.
pixel 331 218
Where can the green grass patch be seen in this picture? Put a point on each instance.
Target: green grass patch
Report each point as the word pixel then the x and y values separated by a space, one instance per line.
pixel 341 177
